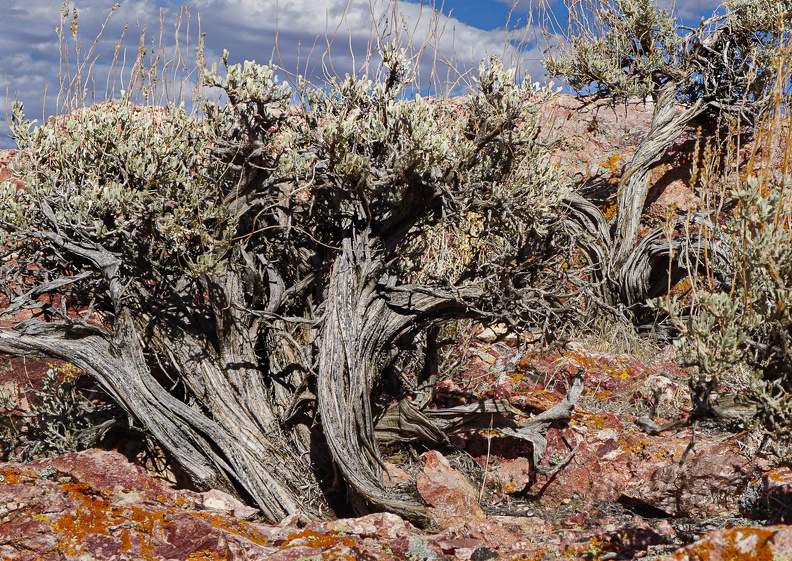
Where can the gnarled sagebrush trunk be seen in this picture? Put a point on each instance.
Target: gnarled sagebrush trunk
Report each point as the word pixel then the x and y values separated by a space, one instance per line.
pixel 244 285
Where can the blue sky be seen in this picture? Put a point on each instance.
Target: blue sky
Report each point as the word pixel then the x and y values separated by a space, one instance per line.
pixel 465 31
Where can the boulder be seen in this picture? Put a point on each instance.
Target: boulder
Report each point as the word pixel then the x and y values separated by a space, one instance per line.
pixel 96 505
pixel 707 483
pixel 450 497
pixel 741 543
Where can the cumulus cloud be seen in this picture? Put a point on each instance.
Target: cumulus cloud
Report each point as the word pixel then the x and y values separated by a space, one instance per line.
pixel 315 38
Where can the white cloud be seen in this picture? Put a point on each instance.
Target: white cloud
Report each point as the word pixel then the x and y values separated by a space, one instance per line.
pixel 691 12
pixel 688 11
pixel 312 35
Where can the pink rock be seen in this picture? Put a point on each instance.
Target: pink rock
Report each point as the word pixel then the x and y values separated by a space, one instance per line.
pixel 95 505
pixel 708 483
pixel 598 470
pixel 672 195
pixel 663 388
pixel 513 476
pixel 294 553
pixel 769 542
pixel 777 483
pixel 478 533
pixel 451 499
pixel 524 526
pixel 218 501
pixel 103 471
pixel 380 525
pixel 6 173
pixel 396 475
pixel 770 498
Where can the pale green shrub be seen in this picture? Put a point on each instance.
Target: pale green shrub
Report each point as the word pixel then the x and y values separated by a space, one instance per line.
pixel 117 174
pixel 739 333
pixel 63 416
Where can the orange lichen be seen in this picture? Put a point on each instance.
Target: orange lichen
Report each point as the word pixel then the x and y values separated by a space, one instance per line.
pixel 748 544
pixel 318 540
pixel 595 549
pixel 16 476
pixel 126 540
pixel 539 555
pixel 778 475
pixel 205 556
pixel 535 399
pixel 527 360
pixel 739 544
pixel 609 208
pixel 634 446
pixel 590 420
pixel 133 525
pixel 613 367
pixel 96 515
pixel 92 515
pixel 612 163
pixel 662 452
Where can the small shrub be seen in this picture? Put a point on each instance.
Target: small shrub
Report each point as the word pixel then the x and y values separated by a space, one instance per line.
pixel 741 335
pixel 64 416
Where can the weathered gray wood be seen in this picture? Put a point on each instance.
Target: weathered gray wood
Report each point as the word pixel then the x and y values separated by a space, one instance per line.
pixel 402 421
pixel 246 455
pixel 668 124
pixel 664 257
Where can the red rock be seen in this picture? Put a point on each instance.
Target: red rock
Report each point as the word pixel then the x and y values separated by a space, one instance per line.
pixel 6 173
pixel 672 196
pixel 381 525
pixel 451 499
pixel 474 534
pixel 708 483
pixel 513 475
pixel 524 526
pixel 639 537
pixel 292 554
pixel 104 472
pixel 770 497
pixel 777 486
pixel 739 544
pixel 223 503
pixel 95 505
pixel 663 388
pixel 396 475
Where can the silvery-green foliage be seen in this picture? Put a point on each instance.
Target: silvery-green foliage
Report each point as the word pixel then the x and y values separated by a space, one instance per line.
pixel 632 48
pixel 374 138
pixel 211 272
pixel 117 174
pixel 620 55
pixel 749 328
pixel 62 416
